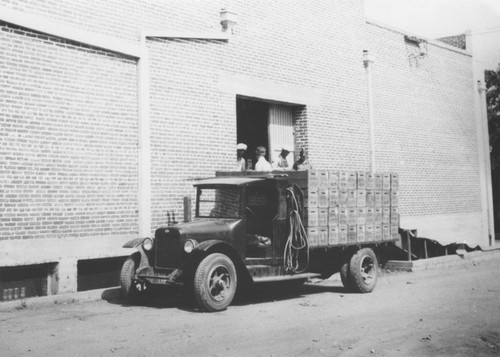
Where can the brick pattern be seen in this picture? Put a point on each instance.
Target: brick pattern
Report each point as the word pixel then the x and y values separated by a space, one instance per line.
pixel 68 139
pixel 425 124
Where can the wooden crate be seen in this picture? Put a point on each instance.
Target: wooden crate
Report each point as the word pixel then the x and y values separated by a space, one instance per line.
pixel 361 233
pixel 369 232
pixel 351 234
pixel 322 216
pixel 333 216
pixel 333 197
pixel 333 235
pixel 361 215
pixel 333 179
pixel 361 198
pixel 361 180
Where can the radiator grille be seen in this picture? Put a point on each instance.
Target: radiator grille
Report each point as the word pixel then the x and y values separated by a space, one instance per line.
pixel 167 249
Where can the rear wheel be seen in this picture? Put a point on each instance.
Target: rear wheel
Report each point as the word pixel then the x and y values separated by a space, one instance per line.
pixel 215 282
pixel 363 271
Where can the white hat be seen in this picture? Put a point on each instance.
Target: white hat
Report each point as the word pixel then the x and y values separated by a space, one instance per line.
pixel 241 146
pixel 287 148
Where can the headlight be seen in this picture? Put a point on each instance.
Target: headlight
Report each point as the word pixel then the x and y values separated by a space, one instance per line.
pixel 147 244
pixel 189 245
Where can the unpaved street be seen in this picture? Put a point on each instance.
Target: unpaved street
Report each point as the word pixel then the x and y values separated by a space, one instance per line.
pixel 445 312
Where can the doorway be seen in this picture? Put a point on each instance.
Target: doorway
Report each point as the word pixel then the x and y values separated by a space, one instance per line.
pixel 265 124
pixel 252 119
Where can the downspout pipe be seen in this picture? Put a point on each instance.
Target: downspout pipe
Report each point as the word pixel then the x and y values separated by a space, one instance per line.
pixel 368 61
pixel 144 142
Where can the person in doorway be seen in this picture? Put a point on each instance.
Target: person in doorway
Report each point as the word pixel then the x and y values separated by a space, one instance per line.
pixel 282 163
pixel 301 164
pixel 241 163
pixel 262 164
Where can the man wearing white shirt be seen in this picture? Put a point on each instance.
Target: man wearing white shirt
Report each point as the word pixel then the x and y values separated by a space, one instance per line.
pixel 262 164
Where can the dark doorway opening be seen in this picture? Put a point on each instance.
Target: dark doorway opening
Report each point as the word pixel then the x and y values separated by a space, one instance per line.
pixel 99 273
pixel 252 126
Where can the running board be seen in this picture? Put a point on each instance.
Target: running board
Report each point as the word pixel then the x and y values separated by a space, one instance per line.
pixel 266 279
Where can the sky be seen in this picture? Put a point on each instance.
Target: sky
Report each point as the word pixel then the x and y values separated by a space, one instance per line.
pixel 439 18
pixel 434 18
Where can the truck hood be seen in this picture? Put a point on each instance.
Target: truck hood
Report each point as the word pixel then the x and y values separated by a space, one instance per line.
pixel 204 229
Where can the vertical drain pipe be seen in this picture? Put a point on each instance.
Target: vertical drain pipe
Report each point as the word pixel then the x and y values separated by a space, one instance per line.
pixel 367 61
pixel 143 143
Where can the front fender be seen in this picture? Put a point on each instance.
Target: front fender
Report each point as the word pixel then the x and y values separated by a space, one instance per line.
pixel 205 246
pixel 133 243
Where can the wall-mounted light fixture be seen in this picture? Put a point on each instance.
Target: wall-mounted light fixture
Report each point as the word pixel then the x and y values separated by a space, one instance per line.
pixel 228 20
pixel 419 44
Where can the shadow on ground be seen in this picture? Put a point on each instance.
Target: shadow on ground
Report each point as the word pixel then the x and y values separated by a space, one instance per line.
pixel 161 297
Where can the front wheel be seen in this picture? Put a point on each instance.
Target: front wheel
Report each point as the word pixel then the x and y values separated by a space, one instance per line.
pixel 215 282
pixel 131 290
pixel 363 271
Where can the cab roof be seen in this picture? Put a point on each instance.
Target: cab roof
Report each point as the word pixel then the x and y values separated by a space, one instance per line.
pixel 230 181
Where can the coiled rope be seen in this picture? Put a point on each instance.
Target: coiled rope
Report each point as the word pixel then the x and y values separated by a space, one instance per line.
pixel 296 255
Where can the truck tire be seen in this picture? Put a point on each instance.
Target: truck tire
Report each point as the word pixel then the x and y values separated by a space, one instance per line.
pixel 129 290
pixel 215 282
pixel 345 276
pixel 363 271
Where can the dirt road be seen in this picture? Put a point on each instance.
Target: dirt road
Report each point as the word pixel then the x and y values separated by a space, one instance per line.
pixel 446 312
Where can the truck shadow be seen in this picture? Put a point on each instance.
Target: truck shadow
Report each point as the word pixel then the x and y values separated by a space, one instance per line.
pixel 167 297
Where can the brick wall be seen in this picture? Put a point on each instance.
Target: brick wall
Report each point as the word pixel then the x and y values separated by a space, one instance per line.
pixel 68 138
pixel 425 124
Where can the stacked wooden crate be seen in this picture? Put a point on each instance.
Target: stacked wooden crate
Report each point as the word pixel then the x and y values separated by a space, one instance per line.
pixel 347 207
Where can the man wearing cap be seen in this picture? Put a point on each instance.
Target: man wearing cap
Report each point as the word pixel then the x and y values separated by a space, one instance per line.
pixel 241 164
pixel 301 164
pixel 282 163
pixel 262 164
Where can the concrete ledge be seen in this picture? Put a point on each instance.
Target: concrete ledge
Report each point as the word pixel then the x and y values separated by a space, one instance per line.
pixel 444 261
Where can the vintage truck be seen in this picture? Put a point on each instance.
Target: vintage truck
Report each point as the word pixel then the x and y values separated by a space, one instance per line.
pixel 256 227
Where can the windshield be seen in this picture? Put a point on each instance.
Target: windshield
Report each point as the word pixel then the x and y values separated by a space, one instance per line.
pixel 218 202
